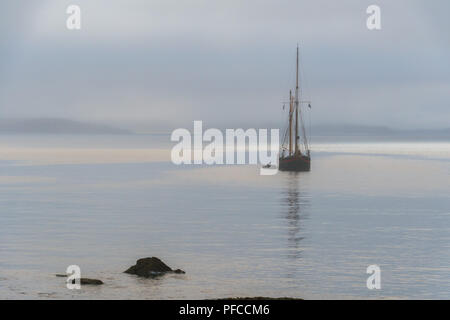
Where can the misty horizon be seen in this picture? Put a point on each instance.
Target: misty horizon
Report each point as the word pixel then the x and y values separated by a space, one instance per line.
pixel 224 64
pixel 73 126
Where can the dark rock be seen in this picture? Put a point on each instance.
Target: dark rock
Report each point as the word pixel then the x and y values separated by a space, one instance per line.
pixel 179 271
pixel 151 267
pixel 61 275
pixel 91 281
pixel 84 280
pixel 260 298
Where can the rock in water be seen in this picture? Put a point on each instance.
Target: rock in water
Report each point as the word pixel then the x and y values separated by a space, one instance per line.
pixel 151 267
pixel 179 271
pixel 82 280
pixel 91 281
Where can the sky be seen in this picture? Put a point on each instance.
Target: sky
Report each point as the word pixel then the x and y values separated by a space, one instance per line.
pixel 156 65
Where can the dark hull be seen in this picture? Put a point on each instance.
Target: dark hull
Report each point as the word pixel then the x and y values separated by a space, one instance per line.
pixel 295 163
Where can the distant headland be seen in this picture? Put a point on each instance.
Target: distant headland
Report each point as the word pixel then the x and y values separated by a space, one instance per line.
pixel 56 126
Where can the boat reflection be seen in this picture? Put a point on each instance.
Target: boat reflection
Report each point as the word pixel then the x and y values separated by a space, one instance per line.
pixel 295 206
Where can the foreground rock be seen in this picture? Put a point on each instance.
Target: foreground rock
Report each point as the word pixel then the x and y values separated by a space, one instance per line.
pixel 95 282
pixel 83 280
pixel 150 268
pixel 260 298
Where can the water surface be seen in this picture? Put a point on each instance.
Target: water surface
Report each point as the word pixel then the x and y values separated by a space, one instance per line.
pixel 102 202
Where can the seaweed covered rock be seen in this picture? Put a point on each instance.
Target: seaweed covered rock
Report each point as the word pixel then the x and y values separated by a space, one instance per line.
pixel 151 267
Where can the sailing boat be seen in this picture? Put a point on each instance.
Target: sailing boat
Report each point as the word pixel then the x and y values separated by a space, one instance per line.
pixel 292 158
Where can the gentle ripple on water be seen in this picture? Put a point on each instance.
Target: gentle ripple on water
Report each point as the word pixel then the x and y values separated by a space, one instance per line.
pixel 236 233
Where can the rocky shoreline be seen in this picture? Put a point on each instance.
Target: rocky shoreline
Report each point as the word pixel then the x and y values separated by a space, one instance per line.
pixel 259 298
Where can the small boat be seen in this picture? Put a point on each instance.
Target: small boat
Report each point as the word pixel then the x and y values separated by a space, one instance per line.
pixel 268 166
pixel 295 152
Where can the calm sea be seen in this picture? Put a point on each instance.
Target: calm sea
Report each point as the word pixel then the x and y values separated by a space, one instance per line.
pixel 102 202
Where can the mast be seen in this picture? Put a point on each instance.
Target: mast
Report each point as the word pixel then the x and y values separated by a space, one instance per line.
pixel 290 121
pixel 305 139
pixel 296 109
